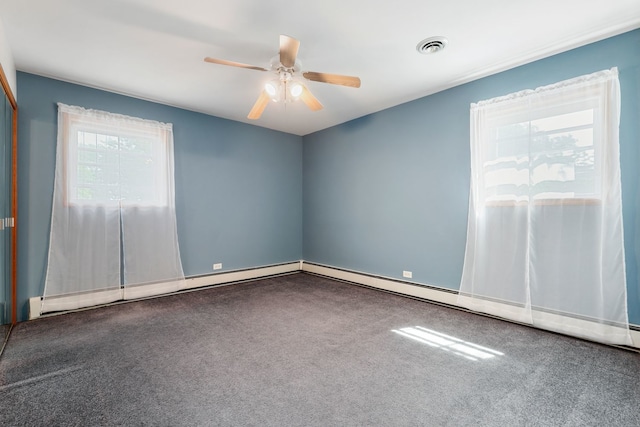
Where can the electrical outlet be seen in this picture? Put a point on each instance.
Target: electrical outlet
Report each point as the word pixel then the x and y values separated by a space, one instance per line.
pixel 217 266
pixel 407 274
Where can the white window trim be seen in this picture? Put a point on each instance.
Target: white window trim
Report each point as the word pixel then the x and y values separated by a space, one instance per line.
pixel 524 113
pixel 77 119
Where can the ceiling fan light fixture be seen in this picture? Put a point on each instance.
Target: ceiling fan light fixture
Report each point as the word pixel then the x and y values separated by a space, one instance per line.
pixel 287 88
pixel 272 89
pixel 432 45
pixel 295 90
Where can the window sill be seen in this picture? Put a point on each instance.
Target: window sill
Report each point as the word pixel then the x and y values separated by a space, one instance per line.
pixel 544 202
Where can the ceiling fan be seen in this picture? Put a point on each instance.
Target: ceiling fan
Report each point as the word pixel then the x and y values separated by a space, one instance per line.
pixel 287 86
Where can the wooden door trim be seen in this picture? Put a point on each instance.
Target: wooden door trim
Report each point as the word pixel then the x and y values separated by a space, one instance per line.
pixel 14 195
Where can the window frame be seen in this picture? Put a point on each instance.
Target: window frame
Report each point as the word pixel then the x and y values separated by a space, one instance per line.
pixel 571 102
pixel 73 123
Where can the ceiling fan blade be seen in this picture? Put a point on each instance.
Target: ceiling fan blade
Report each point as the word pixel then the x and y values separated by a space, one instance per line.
pixel 334 79
pixel 259 106
pixel 311 101
pixel 233 64
pixel 288 50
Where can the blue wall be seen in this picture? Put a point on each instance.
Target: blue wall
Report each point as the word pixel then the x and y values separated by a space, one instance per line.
pixel 389 192
pixel 238 187
pixel 381 194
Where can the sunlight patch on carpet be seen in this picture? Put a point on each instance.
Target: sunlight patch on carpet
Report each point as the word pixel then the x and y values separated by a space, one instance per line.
pixel 448 343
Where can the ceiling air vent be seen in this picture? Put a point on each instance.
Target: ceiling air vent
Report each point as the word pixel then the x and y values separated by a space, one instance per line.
pixel 431 45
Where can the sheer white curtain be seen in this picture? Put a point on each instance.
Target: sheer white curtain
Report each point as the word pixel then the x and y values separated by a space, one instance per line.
pixel 544 239
pixel 113 227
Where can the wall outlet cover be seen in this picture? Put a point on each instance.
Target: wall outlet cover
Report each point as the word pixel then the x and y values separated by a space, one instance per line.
pixel 217 266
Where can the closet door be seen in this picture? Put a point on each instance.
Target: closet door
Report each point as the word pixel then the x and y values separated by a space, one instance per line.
pixel 5 211
pixel 4 288
pixel 8 211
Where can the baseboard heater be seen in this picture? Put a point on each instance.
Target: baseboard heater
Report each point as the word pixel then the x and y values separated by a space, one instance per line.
pixel 420 291
pixel 66 303
pixel 437 295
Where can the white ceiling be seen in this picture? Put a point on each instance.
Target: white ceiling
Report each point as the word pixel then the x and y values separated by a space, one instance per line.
pixel 154 49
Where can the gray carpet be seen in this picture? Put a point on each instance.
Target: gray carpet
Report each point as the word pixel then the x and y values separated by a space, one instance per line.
pixel 305 350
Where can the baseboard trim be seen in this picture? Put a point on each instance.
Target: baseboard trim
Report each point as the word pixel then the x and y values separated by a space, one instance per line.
pixel 190 283
pixel 427 293
pixel 241 275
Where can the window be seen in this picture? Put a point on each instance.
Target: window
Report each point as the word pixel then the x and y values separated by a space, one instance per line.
pixel 543 147
pixel 121 164
pixel 113 219
pixel 544 234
